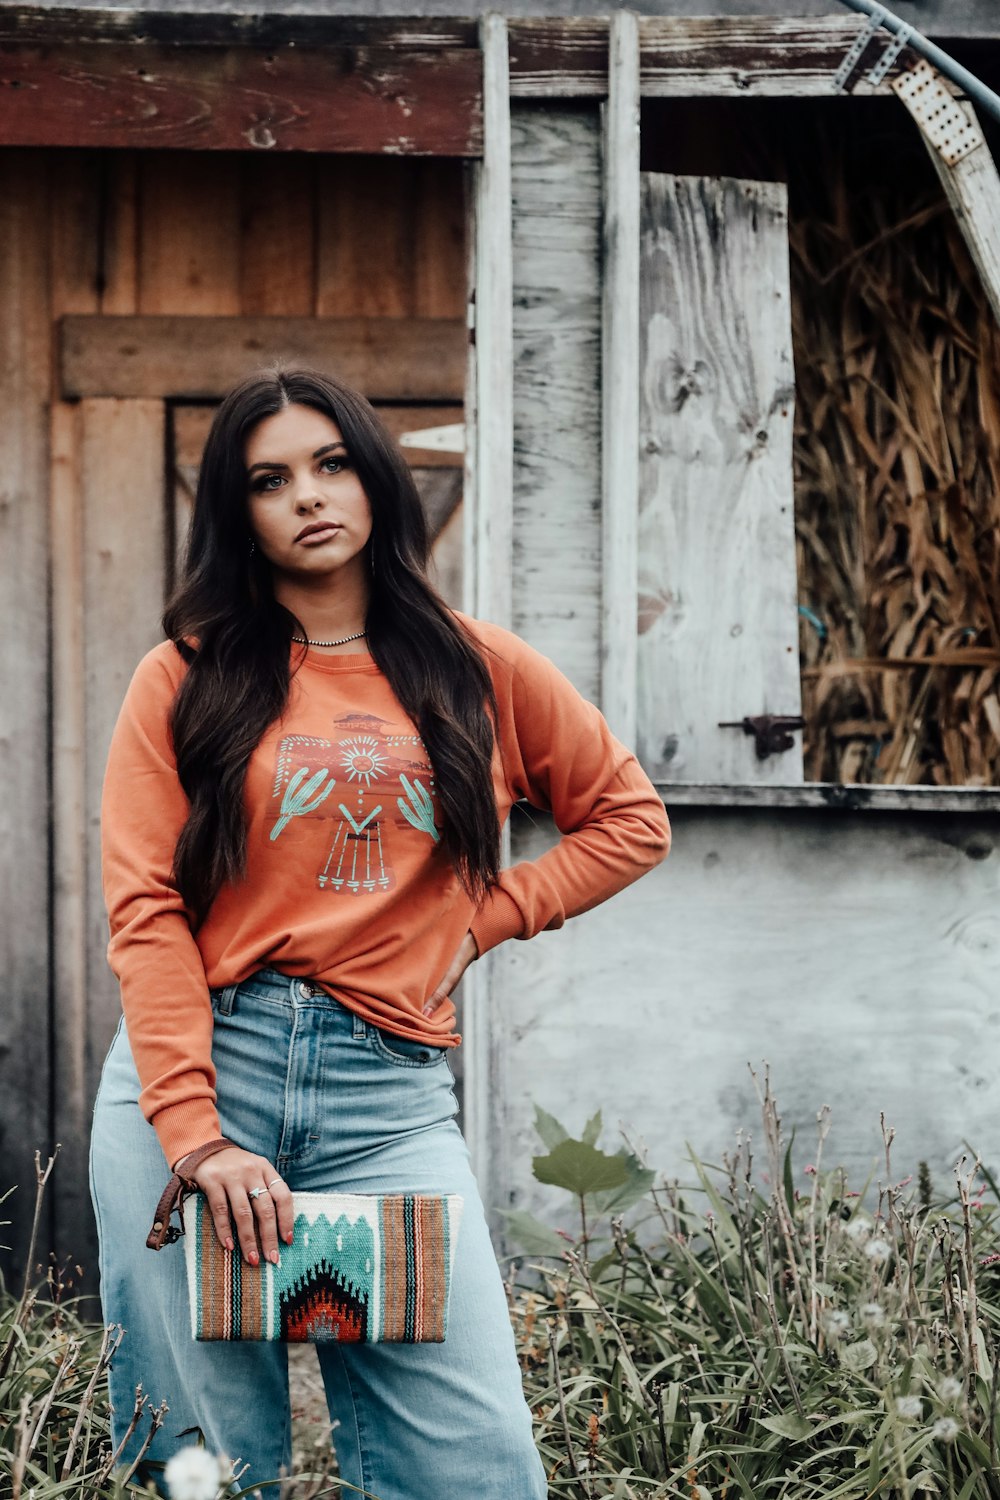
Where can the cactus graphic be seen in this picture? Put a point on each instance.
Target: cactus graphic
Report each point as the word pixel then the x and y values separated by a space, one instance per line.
pixel 295 802
pixel 419 809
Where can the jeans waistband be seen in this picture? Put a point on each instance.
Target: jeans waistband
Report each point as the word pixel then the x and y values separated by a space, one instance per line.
pixel 292 989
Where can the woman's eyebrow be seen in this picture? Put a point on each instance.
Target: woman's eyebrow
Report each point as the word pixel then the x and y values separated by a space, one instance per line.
pixel 318 454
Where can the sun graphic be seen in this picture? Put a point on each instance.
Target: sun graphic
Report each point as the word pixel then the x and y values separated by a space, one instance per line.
pixel 362 759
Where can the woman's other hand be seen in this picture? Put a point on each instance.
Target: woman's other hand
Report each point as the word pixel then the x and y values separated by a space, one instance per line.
pixel 467 954
pixel 227 1178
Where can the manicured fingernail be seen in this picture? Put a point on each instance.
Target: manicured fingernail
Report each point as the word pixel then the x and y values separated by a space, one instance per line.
pixel 253 1258
pixel 229 1244
pixel 273 1258
pixel 288 1238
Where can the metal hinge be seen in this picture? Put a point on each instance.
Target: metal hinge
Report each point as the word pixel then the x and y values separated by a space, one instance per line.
pixel 770 731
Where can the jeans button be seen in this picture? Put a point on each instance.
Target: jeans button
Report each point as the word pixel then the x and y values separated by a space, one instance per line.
pixel 307 990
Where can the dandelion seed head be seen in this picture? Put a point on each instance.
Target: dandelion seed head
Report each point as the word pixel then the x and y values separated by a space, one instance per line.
pixel 837 1324
pixel 872 1314
pixel 945 1429
pixel 909 1407
pixel 878 1251
pixel 192 1474
pixel 858 1228
pixel 951 1389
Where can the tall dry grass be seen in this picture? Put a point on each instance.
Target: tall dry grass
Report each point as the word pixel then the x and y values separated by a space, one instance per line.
pixel 897 471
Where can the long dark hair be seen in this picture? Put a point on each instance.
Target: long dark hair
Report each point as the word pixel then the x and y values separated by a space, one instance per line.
pixel 236 638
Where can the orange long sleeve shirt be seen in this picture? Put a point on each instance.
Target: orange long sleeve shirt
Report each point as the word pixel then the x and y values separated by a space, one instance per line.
pixel 347 882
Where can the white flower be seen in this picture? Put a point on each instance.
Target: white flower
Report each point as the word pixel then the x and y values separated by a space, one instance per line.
pixel 193 1474
pixel 872 1314
pixel 878 1251
pixel 837 1324
pixel 909 1407
pixel 945 1429
pixel 951 1389
pixel 858 1228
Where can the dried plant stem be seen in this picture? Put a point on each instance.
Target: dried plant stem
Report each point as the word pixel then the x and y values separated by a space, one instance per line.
pixel 561 1398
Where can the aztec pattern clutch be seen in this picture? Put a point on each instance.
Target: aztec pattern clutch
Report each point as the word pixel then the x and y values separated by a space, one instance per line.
pixel 362 1268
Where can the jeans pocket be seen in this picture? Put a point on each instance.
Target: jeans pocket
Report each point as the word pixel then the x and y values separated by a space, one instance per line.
pixel 404 1052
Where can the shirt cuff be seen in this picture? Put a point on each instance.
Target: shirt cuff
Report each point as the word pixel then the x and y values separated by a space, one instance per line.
pixel 497 919
pixel 182 1127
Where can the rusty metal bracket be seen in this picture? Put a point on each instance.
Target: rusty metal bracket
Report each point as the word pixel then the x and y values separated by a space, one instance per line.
pixel 770 731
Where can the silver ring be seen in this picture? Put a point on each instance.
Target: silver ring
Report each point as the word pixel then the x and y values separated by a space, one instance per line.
pixel 273 1181
pixel 256 1192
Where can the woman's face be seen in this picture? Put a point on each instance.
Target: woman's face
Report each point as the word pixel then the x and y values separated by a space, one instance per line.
pixel 300 476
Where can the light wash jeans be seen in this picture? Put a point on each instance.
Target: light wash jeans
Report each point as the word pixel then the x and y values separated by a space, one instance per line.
pixel 335 1104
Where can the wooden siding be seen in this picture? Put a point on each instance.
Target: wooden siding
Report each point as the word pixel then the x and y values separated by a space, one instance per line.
pixel 25 944
pixel 90 520
pixel 861 959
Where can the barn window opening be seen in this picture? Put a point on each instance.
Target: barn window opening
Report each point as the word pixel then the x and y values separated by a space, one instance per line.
pixel 896 436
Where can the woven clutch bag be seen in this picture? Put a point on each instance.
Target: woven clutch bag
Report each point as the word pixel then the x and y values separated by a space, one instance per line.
pixel 362 1268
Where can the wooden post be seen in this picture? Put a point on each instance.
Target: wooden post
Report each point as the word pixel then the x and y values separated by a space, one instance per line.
pixel 963 162
pixel 492 500
pixel 488 505
pixel 620 381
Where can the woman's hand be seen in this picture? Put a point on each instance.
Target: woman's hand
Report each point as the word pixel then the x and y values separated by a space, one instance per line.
pixel 467 954
pixel 227 1178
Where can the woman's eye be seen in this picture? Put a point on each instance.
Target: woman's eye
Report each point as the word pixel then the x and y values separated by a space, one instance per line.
pixel 339 462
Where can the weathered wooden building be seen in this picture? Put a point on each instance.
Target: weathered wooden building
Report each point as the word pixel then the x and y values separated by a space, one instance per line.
pixel 532 229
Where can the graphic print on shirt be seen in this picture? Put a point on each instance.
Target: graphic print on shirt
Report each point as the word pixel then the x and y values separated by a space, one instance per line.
pixel 364 788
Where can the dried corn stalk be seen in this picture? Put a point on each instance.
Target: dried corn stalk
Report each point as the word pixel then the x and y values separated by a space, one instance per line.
pixel 897 463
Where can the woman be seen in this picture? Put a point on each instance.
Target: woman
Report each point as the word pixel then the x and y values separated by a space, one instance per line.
pixel 301 839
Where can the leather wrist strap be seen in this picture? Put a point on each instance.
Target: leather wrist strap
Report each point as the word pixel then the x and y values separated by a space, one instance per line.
pixel 181 1183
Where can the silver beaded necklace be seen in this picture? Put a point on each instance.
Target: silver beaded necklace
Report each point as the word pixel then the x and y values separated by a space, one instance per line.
pixel 343 642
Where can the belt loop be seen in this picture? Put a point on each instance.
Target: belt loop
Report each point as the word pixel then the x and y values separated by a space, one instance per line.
pixel 225 1006
pixel 360 1028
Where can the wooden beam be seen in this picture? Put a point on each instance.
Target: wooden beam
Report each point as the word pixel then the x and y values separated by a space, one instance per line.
pixel 200 358
pixel 962 160
pixel 201 25
pixel 687 56
pixel 834 795
pixel 718 622
pixel 620 383
pixel 359 99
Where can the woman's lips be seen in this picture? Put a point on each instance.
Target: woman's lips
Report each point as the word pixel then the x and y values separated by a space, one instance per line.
pixel 319 536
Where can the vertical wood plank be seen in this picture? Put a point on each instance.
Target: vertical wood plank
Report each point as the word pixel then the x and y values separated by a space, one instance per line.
pixel 277 234
pixel 120 238
pixel 124 553
pixel 620 382
pixel 25 1060
pixel 365 259
pixel 718 635
pixel 439 239
pixel 487 558
pixel 75 215
pixel 77 223
pixel 557 227
pixel 189 234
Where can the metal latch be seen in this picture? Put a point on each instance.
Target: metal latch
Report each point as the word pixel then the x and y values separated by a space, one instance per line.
pixel 770 731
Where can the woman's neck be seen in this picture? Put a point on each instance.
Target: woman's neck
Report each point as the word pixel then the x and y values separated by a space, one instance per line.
pixel 328 614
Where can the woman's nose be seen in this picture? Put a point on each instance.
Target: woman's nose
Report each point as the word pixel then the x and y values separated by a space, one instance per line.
pixel 306 498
